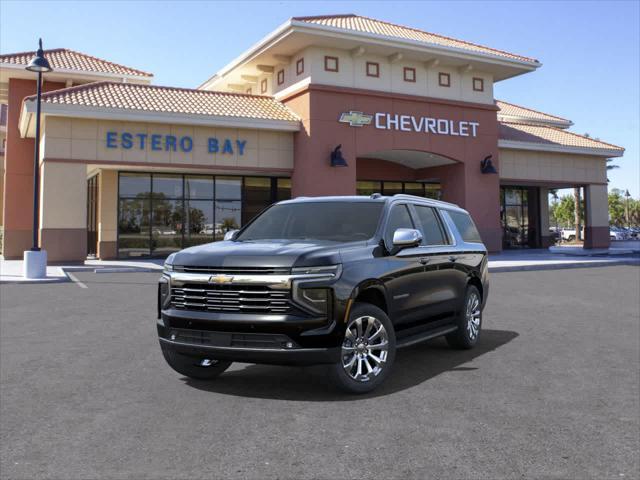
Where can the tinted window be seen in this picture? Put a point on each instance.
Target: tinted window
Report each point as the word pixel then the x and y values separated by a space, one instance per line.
pixel 466 227
pixel 332 221
pixel 431 229
pixel 398 218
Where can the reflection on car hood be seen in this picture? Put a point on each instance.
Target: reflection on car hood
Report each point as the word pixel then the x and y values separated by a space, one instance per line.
pixel 265 253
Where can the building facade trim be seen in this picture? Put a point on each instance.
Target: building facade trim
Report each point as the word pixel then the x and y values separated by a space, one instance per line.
pixel 544 147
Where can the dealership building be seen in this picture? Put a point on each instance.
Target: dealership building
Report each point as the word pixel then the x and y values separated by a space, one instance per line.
pixel 331 105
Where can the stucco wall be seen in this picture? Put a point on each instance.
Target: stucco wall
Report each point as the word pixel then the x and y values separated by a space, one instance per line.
pixel 85 140
pixel 551 167
pixel 352 73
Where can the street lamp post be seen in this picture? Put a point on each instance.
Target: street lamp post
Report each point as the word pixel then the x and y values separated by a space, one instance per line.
pixel 626 207
pixel 35 260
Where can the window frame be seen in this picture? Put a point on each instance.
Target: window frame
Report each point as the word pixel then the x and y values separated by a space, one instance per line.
pixel 407 70
pixel 480 82
pixel 280 76
pixel 300 66
pixel 263 85
pixel 443 75
pixel 327 59
pixel 377 67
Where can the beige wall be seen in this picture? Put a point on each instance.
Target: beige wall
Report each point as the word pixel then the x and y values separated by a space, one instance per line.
pixel 80 139
pixel 63 195
pixel 552 167
pixel 597 206
pixel 352 73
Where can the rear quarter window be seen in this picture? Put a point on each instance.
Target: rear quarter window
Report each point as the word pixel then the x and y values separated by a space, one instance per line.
pixel 466 227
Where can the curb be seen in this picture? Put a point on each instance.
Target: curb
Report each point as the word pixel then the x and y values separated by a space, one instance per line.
pixel 563 266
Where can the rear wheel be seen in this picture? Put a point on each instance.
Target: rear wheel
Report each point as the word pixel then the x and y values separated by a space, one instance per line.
pixel 200 368
pixel 469 321
pixel 368 350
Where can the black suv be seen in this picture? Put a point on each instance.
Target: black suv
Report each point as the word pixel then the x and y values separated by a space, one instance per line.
pixel 343 281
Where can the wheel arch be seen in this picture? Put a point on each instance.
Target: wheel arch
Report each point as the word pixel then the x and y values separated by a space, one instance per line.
pixel 374 292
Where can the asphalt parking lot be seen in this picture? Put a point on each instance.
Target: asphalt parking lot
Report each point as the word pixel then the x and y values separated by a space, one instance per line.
pixel 552 391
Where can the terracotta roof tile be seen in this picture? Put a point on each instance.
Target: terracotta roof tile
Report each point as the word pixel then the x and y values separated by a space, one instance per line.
pixel 65 59
pixel 152 98
pixel 513 110
pixel 379 27
pixel 517 132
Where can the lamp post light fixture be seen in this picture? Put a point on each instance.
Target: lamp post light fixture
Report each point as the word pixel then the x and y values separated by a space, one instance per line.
pixel 35 260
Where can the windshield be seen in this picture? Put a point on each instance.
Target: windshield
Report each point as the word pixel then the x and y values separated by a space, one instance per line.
pixel 332 221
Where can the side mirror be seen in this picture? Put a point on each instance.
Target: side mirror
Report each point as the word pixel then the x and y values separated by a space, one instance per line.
pixel 406 237
pixel 230 235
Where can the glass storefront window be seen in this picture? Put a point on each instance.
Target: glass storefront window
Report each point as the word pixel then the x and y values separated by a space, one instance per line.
pixel 133 227
pixel 433 191
pixel 198 188
pixel 199 223
pixel 228 188
pixel 135 184
pixel 167 186
pixel 368 188
pixel 391 188
pixel 411 188
pixel 283 189
pixel 228 217
pixel 162 213
pixel 256 196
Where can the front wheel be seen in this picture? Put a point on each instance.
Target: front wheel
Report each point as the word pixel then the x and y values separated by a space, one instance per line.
pixel 199 368
pixel 469 321
pixel 368 350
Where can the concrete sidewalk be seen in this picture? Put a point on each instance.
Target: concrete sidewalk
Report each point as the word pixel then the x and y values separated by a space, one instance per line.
pixel 507 261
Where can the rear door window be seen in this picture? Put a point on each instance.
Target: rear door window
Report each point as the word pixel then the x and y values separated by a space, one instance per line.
pixel 465 226
pixel 432 233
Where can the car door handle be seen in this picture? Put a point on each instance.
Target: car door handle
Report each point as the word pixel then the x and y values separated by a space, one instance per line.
pixel 424 260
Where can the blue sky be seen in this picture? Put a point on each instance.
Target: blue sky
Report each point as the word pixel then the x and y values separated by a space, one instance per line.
pixel 589 50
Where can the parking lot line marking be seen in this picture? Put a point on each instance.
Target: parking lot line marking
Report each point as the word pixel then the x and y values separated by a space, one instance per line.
pixel 75 280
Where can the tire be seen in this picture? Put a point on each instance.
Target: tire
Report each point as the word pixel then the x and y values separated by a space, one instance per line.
pixel 359 352
pixel 469 321
pixel 191 366
pixel 571 238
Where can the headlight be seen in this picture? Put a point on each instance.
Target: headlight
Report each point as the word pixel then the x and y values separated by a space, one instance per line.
pixel 329 270
pixel 168 263
pixel 314 299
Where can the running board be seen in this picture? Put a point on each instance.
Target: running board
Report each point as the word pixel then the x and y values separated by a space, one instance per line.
pixel 424 336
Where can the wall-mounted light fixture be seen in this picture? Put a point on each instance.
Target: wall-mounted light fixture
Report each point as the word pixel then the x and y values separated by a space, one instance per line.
pixel 337 160
pixel 486 166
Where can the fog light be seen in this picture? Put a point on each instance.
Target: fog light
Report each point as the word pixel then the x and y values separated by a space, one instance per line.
pixel 173 336
pixel 289 345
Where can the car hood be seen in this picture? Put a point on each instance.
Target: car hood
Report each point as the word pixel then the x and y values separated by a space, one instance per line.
pixel 266 253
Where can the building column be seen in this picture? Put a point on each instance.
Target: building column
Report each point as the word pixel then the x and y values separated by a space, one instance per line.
pixel 107 214
pixel 546 240
pixel 63 211
pixel 596 216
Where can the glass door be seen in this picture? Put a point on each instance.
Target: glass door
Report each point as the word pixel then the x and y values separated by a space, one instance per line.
pixel 92 216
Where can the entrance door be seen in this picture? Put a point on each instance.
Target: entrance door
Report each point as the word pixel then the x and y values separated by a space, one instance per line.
pixel 92 216
pixel 519 216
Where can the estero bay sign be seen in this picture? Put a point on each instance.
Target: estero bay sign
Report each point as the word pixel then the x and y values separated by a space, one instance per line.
pixel 171 143
pixel 411 123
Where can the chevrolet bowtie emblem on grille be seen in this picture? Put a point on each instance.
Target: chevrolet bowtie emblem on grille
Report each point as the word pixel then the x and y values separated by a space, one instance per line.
pixel 221 279
pixel 356 119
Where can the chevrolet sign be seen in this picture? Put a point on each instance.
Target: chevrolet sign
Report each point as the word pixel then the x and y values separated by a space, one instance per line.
pixel 355 119
pixel 221 279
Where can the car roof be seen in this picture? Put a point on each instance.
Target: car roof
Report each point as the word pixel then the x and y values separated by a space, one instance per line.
pixel 377 198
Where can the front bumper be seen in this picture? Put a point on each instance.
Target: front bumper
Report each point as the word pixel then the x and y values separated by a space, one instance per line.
pixel 271 348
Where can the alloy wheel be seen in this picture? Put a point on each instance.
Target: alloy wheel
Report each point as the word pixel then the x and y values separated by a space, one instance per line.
pixel 473 315
pixel 365 348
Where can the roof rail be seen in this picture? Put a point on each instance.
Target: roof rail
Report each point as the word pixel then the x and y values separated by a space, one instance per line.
pixel 415 197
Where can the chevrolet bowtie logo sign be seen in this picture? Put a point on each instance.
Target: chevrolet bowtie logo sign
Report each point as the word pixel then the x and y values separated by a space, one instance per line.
pixel 221 279
pixel 355 119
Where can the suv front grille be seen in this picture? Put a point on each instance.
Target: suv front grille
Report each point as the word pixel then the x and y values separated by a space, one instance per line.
pixel 234 270
pixel 230 298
